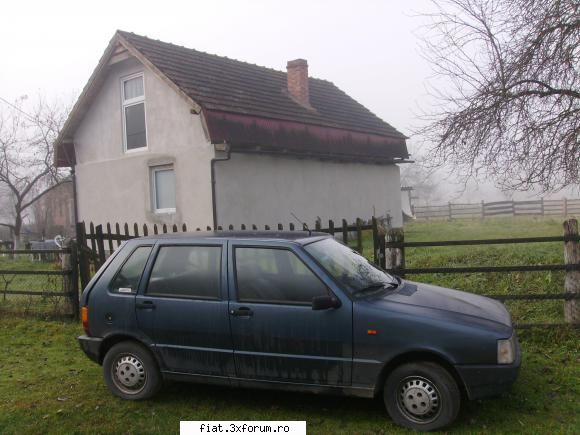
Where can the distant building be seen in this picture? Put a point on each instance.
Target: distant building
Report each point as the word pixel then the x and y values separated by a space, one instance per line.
pixel 54 213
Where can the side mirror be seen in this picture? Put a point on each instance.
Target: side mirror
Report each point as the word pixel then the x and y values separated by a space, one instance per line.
pixel 325 302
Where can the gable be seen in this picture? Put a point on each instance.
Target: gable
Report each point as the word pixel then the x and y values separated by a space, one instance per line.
pixel 248 106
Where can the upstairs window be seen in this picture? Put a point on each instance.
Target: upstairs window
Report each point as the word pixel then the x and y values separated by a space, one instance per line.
pixel 134 130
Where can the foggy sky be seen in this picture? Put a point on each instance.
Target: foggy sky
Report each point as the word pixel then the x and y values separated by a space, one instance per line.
pixel 368 48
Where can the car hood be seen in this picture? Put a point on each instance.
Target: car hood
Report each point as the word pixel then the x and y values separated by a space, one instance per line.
pixel 444 299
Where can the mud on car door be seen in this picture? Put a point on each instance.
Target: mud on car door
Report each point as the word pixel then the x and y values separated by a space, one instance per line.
pixel 276 333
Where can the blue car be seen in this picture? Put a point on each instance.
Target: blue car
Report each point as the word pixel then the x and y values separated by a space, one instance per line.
pixel 292 311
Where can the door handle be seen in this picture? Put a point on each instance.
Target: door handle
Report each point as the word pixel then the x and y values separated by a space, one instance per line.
pixel 145 305
pixel 242 312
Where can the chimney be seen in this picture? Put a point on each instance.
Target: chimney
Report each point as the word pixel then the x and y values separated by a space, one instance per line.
pixel 298 81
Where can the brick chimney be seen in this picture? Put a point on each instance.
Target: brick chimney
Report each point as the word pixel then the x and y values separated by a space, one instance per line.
pixel 298 81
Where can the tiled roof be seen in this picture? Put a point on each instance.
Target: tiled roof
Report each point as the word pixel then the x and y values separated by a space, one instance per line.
pixel 226 85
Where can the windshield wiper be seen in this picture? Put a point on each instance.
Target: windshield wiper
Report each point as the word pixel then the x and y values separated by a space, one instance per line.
pixel 376 286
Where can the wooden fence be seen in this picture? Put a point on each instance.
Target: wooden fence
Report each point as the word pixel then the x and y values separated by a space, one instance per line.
pixel 395 263
pixel 52 291
pixel 97 242
pixel 541 207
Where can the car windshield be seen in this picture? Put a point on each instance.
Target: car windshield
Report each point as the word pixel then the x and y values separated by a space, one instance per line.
pixel 348 267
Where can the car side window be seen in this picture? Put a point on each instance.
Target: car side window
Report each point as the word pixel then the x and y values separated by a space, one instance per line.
pixel 270 275
pixel 127 280
pixel 186 272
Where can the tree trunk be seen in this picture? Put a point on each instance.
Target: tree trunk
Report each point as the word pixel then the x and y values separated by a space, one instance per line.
pixel 16 232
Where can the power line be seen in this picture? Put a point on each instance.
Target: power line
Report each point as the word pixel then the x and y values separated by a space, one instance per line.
pixel 14 106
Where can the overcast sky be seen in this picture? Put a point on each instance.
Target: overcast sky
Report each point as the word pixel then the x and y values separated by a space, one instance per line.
pixel 368 48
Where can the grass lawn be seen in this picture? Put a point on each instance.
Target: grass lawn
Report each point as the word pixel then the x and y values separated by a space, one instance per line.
pixel 47 385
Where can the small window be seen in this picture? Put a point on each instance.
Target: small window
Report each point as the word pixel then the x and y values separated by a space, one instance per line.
pixel 134 113
pixel 127 280
pixel 187 272
pixel 163 186
pixel 275 276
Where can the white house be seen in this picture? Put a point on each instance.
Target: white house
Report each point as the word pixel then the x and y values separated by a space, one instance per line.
pixel 167 134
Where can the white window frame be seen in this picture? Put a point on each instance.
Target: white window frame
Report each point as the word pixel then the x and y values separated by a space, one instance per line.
pixel 132 102
pixel 154 170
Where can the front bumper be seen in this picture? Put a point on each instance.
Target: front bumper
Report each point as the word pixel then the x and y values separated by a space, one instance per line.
pixel 91 347
pixel 485 381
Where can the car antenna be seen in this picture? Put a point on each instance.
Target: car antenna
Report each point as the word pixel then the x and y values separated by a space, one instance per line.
pixel 304 226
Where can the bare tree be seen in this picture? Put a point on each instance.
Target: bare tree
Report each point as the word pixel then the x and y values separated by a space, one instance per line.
pixel 27 171
pixel 423 180
pixel 507 87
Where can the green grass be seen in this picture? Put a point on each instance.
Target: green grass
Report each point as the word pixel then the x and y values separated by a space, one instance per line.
pixel 47 385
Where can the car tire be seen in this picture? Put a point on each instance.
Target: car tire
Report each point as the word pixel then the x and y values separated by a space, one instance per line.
pixel 422 396
pixel 130 371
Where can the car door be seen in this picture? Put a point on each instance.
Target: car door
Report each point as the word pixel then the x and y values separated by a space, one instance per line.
pixel 276 333
pixel 182 307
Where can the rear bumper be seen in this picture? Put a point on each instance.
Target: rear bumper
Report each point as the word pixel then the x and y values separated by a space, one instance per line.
pixel 485 381
pixel 91 347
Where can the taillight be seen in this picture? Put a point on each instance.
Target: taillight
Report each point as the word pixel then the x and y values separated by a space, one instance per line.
pixel 85 319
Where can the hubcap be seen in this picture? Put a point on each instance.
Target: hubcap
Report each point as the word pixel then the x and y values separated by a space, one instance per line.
pixel 129 374
pixel 419 399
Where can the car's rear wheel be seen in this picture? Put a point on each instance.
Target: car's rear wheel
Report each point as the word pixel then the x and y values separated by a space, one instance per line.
pixel 422 396
pixel 130 371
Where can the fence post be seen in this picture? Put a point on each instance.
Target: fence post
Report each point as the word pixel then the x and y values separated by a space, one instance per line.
pixel 71 279
pixel 565 206
pixel 359 242
pixel 82 257
pixel 376 251
pixel 572 280
pixel 542 205
pixel 450 208
pixel 74 280
pixel 344 232
pixel 395 256
pixel 100 244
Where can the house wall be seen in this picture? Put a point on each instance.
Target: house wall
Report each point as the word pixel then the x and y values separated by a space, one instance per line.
pixel 114 186
pixel 265 190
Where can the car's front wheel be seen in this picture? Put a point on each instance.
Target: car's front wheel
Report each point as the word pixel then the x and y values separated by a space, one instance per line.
pixel 130 371
pixel 422 396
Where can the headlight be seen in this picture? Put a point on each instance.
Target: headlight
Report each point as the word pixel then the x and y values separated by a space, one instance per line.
pixel 506 351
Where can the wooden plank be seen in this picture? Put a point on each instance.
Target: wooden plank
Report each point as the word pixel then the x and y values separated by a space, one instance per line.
pixel 93 240
pixel 42 293
pixel 100 244
pixel 118 233
pixel 36 251
pixel 572 280
pixel 516 240
pixel 359 243
pixel 482 269
pixel 109 237
pixel 35 272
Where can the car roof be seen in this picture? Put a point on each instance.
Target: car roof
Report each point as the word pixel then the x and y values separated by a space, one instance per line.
pixel 301 237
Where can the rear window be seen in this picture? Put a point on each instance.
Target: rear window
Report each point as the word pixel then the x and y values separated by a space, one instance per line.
pixel 127 280
pixel 187 272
